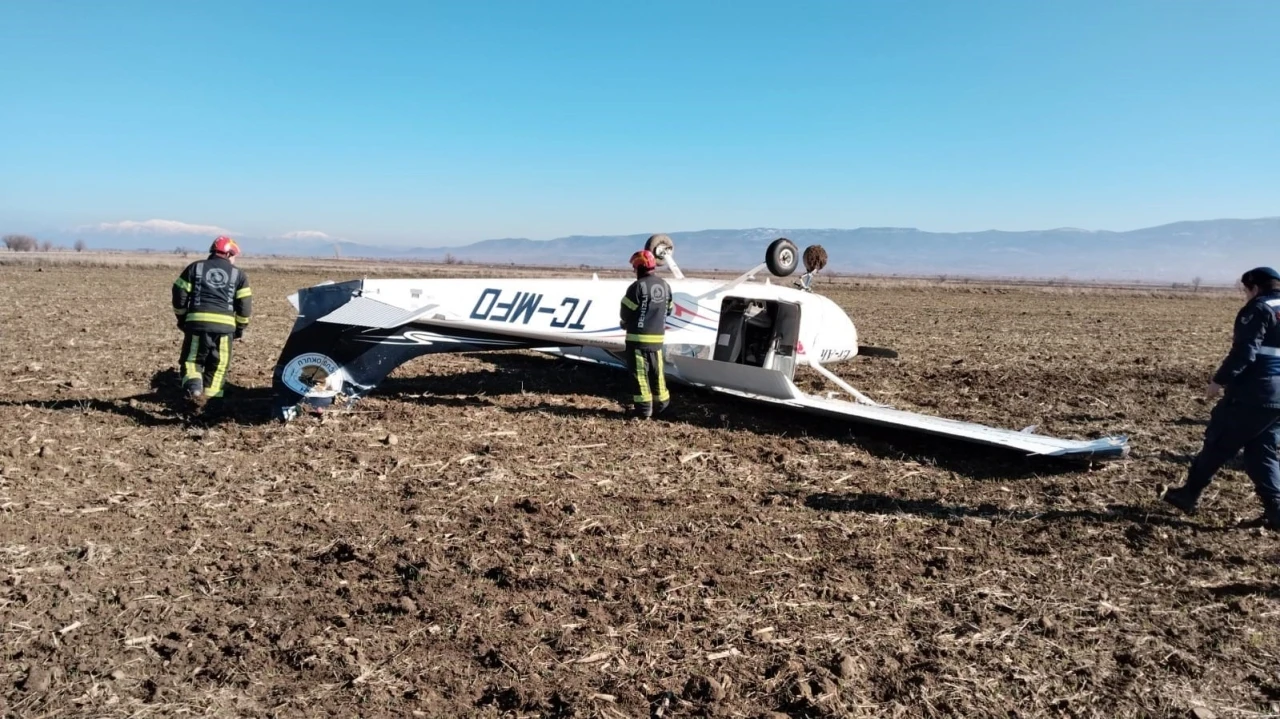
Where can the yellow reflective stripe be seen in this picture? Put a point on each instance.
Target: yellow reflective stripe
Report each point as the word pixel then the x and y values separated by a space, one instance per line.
pixel 244 292
pixel 224 358
pixel 211 318
pixel 242 320
pixel 642 379
pixel 626 302
pixel 179 311
pixel 192 371
pixel 643 338
pixel 182 284
pixel 663 395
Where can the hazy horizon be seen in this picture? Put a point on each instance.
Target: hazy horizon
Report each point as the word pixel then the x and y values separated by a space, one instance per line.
pixel 1214 251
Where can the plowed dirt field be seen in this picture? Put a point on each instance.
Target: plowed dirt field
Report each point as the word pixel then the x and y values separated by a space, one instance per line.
pixel 488 537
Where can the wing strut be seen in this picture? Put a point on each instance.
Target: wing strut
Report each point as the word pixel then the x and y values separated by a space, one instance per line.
pixel 772 387
pixel 860 397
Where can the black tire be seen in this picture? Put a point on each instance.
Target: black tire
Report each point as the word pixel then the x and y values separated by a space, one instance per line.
pixel 660 246
pixel 782 257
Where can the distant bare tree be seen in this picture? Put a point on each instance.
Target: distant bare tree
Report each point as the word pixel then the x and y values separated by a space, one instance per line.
pixel 46 246
pixel 449 259
pixel 80 245
pixel 20 243
pixel 1195 284
pixel 181 251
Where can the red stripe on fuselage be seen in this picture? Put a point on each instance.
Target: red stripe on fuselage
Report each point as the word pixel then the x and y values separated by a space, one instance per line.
pixel 682 310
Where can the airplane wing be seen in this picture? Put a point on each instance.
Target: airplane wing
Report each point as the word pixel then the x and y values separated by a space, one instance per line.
pixel 771 387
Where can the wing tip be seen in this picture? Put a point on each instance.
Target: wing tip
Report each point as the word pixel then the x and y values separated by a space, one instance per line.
pixel 1104 448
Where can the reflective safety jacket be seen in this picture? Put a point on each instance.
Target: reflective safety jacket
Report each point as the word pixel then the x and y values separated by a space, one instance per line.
pixel 644 311
pixel 212 295
pixel 1250 373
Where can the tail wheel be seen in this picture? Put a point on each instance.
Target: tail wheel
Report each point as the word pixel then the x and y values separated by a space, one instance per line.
pixel 782 257
pixel 661 246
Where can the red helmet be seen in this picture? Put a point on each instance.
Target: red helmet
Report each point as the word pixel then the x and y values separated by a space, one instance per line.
pixel 224 245
pixel 644 260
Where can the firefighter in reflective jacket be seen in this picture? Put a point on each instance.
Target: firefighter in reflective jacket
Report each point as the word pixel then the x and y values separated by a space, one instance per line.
pixel 1248 415
pixel 213 302
pixel 644 316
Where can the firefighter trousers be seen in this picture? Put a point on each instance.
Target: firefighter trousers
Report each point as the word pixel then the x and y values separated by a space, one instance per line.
pixel 648 378
pixel 206 356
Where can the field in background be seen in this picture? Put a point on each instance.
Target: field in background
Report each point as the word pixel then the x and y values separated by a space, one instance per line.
pixel 487 537
pixel 374 267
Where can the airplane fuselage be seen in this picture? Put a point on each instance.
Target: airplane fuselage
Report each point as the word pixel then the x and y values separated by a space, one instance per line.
pixel 585 312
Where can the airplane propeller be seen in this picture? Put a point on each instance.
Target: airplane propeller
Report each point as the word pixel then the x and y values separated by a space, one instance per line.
pixel 870 351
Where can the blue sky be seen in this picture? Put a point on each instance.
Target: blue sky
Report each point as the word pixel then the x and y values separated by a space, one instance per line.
pixel 436 122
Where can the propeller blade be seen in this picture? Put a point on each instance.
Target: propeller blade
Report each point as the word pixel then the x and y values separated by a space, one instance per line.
pixel 869 351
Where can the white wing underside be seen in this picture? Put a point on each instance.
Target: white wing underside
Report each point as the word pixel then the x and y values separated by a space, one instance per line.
pixel 772 387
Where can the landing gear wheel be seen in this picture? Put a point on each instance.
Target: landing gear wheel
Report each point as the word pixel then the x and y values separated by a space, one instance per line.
pixel 815 258
pixel 782 257
pixel 661 246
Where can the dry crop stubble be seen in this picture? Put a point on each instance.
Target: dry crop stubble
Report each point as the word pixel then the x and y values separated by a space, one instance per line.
pixel 487 537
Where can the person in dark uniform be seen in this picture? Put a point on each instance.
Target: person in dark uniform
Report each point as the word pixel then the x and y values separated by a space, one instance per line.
pixel 644 316
pixel 213 302
pixel 1248 415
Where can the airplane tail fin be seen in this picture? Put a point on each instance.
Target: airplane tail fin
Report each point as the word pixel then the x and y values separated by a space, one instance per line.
pixel 343 345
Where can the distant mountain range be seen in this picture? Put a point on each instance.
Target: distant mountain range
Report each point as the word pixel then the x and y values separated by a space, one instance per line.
pixel 1213 250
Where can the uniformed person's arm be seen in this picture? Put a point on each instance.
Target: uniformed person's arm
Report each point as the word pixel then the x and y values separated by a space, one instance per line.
pixel 630 305
pixel 181 293
pixel 243 301
pixel 671 303
pixel 1252 324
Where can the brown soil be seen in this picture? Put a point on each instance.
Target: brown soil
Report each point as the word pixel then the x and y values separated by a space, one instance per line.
pixel 487 537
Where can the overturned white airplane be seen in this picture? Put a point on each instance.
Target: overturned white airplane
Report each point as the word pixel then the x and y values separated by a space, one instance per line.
pixel 742 338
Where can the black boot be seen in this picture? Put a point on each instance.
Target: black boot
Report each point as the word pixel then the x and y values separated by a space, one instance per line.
pixel 1265 521
pixel 1180 497
pixel 196 403
pixel 1270 518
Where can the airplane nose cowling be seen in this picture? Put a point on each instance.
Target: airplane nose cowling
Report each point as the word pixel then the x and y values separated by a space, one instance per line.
pixel 835 338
